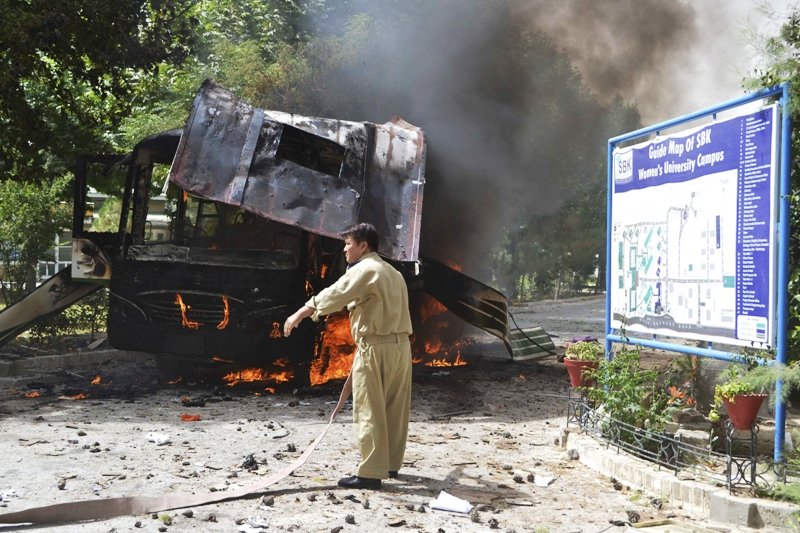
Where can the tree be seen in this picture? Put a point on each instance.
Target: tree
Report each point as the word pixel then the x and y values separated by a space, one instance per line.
pixel 30 217
pixel 254 48
pixel 67 73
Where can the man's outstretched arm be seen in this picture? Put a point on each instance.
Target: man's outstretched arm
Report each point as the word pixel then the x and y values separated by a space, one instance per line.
pixel 294 320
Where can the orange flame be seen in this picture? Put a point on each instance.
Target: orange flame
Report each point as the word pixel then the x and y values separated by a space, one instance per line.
pixel 224 322
pixel 276 330
pixel 430 308
pixel 282 362
pixel 185 196
pixel 185 322
pixel 174 381
pixel 282 377
pixel 335 352
pixel 96 380
pixel 189 418
pixel 251 375
pixel 433 346
pixel 438 341
pixel 79 396
pixel 33 394
pixel 323 271
pixel 270 390
pixel 444 362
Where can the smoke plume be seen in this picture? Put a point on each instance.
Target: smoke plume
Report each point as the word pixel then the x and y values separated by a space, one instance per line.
pixel 517 98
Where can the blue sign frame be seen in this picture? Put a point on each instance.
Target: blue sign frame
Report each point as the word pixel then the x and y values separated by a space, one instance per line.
pixel 762 240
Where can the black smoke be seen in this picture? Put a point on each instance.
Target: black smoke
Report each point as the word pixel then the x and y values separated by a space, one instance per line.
pixel 517 98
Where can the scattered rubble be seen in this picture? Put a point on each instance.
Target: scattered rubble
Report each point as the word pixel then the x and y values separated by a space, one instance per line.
pixel 500 463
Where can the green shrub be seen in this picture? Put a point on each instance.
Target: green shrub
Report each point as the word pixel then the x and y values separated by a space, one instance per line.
pixel 585 351
pixel 88 316
pixel 629 393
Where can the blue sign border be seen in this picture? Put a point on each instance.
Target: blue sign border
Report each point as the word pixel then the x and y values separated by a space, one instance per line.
pixel 781 273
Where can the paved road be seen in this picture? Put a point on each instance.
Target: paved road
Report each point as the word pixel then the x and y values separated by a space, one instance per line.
pixel 564 319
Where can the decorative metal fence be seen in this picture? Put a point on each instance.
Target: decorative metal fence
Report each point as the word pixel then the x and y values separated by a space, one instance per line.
pixel 728 460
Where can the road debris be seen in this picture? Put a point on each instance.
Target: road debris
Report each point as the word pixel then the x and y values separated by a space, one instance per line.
pixel 257 521
pixel 6 495
pixel 447 502
pixel 573 454
pixel 249 463
pixel 160 439
pixel 543 481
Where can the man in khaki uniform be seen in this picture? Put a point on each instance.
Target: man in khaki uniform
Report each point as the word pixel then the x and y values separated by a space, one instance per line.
pixel 376 297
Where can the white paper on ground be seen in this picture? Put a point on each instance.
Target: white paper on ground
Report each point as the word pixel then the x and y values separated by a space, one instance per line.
pixel 159 438
pixel 448 502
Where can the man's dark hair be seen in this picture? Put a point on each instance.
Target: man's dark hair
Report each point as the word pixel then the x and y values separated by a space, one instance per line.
pixel 361 232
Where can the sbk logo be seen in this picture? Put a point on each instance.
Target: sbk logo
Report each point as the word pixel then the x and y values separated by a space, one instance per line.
pixel 623 166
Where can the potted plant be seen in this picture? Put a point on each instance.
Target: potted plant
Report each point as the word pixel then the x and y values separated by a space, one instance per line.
pixel 580 358
pixel 743 390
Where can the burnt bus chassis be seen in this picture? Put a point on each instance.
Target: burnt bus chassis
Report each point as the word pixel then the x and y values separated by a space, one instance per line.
pixel 302 175
pixel 142 313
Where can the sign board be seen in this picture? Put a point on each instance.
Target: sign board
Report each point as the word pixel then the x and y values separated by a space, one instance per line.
pixel 693 217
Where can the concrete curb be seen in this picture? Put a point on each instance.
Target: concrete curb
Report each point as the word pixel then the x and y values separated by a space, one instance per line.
pixel 71 360
pixel 702 500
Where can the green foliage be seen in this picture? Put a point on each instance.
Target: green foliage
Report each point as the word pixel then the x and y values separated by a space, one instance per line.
pixel 68 73
pixel 88 316
pixel 30 217
pixel 764 377
pixel 749 377
pixel 789 492
pixel 585 351
pixel 629 393
pixel 734 382
pixel 253 48
pixel 108 216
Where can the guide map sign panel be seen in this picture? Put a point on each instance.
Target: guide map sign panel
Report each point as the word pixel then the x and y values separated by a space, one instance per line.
pixel 692 240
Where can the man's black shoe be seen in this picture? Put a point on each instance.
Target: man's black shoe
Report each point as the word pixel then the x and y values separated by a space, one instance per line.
pixel 393 474
pixel 355 482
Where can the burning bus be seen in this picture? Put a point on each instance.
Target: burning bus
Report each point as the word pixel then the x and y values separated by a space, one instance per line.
pixel 254 203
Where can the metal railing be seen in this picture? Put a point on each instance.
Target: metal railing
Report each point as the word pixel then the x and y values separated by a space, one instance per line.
pixel 735 465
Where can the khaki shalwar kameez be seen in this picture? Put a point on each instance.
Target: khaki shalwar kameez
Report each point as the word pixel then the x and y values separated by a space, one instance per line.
pixel 376 297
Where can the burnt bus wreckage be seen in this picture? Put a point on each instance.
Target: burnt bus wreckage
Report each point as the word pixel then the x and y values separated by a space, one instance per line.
pixel 258 199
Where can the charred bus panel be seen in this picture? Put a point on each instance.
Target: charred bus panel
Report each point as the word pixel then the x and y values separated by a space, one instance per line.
pixel 257 200
pixel 317 174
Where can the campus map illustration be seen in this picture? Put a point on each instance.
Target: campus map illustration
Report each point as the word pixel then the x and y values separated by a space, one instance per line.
pixel 674 257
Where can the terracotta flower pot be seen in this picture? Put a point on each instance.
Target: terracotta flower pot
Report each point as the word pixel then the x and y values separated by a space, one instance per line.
pixel 577 370
pixel 743 409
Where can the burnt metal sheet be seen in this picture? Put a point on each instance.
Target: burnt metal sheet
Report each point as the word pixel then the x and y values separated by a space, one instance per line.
pixel 467 298
pixel 315 173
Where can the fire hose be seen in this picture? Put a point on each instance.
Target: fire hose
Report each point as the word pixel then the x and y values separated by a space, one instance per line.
pixel 133 505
